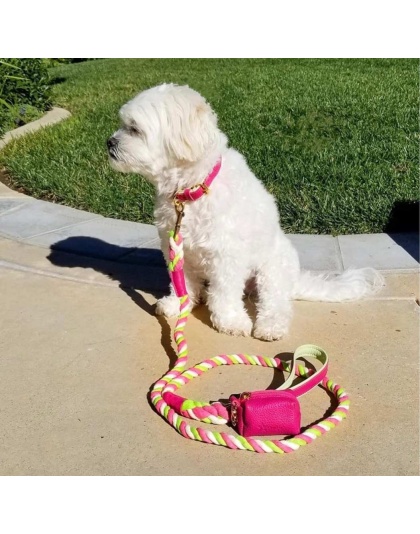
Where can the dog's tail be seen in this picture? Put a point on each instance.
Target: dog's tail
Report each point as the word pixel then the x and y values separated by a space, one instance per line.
pixel 353 284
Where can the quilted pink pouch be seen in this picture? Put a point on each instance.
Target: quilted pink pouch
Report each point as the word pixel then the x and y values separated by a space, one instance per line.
pixel 266 413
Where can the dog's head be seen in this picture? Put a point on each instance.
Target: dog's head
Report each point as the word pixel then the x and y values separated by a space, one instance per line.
pixel 163 128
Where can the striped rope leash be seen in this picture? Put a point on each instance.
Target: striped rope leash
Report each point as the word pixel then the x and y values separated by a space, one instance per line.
pixel 175 408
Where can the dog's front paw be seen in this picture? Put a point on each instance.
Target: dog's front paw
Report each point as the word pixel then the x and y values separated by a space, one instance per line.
pixel 270 329
pixel 168 306
pixel 240 325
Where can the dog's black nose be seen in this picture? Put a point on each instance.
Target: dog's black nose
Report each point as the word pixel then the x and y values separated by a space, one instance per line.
pixel 111 143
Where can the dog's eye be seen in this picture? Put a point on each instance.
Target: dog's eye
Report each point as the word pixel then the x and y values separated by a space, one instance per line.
pixel 134 131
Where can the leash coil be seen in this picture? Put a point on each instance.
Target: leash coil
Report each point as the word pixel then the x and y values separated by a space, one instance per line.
pixel 175 409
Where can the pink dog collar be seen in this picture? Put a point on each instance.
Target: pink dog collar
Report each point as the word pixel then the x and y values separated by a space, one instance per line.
pixel 197 191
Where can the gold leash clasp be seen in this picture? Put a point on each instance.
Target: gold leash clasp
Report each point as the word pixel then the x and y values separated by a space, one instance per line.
pixel 179 208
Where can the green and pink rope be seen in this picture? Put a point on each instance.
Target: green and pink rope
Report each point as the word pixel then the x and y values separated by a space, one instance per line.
pixel 175 409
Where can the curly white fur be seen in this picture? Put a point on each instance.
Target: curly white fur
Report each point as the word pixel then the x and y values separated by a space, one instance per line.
pixel 169 135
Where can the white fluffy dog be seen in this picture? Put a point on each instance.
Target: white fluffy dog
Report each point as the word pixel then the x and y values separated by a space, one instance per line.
pixel 169 135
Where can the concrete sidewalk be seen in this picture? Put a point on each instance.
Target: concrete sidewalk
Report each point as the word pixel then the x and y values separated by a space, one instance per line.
pixel 80 348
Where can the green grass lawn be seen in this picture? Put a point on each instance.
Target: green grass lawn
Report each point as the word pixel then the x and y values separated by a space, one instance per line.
pixel 336 141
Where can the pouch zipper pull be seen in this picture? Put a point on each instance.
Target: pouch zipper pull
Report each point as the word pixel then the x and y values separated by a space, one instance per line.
pixel 234 412
pixel 234 407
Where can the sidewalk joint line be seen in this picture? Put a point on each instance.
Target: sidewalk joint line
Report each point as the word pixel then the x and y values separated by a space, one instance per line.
pixel 340 254
pixel 12 209
pixel 80 223
pixel 141 245
pixel 23 268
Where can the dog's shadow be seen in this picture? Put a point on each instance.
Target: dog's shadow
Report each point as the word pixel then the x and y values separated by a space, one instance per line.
pixel 135 269
pixel 144 271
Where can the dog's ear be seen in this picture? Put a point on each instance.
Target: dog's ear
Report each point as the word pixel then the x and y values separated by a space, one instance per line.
pixel 192 128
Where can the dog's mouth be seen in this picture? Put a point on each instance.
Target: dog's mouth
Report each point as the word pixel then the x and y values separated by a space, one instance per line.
pixel 112 145
pixel 112 153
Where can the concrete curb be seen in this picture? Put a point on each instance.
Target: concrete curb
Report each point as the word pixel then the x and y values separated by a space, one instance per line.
pixel 51 117
pixel 57 227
